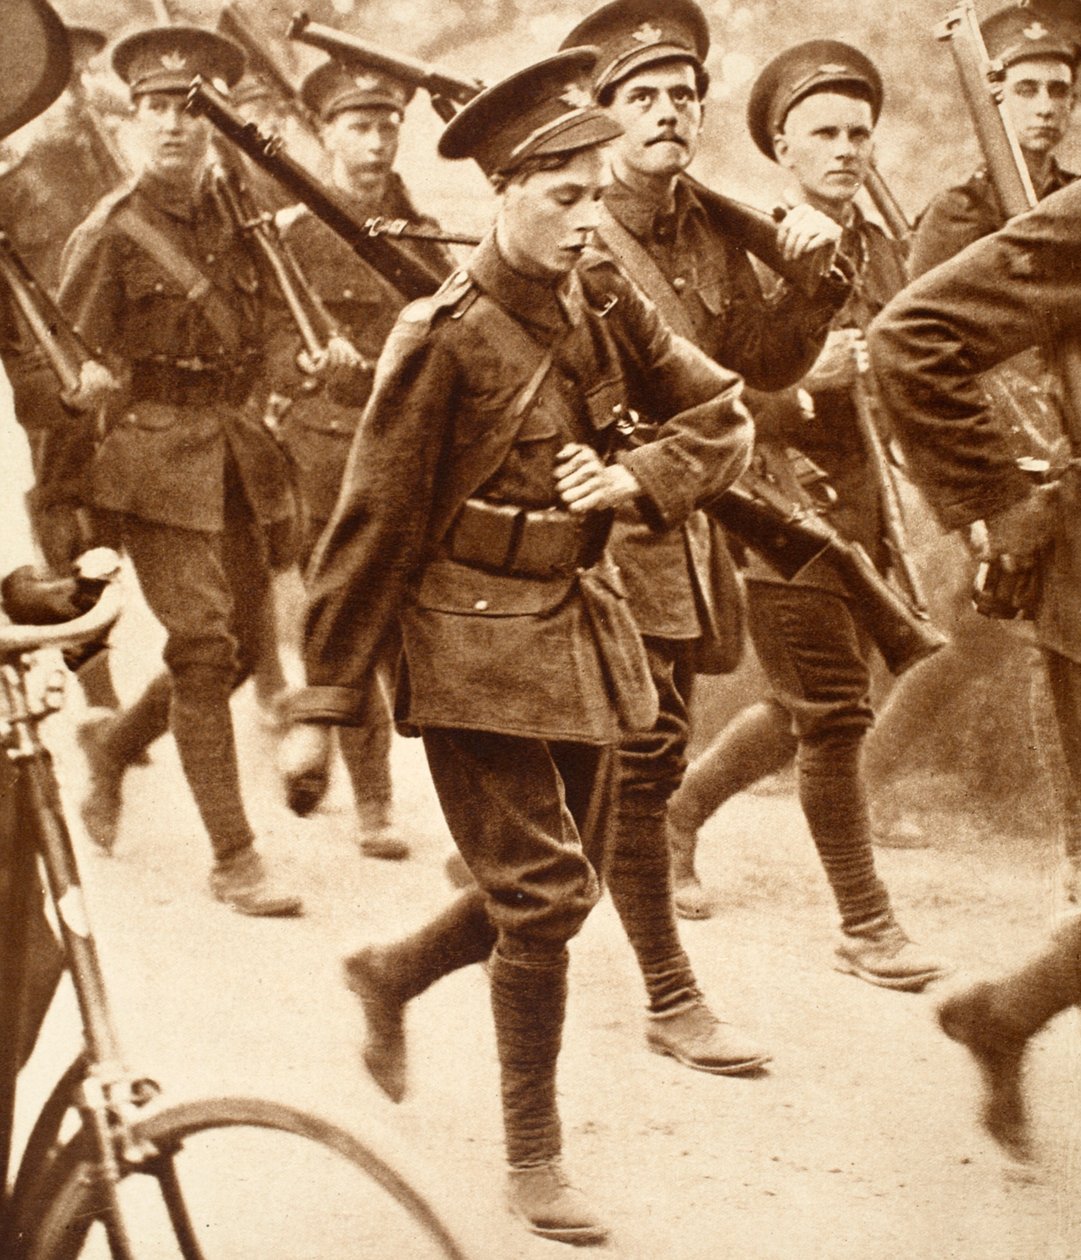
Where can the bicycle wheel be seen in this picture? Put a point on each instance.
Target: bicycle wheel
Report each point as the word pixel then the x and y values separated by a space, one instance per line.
pixel 236 1178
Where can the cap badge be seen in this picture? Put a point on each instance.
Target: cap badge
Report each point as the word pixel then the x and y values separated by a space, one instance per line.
pixel 174 61
pixel 576 96
pixel 366 82
pixel 1036 31
pixel 832 70
pixel 647 33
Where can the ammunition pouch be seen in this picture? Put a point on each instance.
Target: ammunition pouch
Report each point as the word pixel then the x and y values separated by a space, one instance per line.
pixel 525 542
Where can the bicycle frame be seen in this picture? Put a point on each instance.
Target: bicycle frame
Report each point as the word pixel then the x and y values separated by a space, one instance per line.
pixel 97 1084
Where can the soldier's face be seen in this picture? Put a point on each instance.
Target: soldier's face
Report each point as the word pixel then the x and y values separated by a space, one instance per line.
pixel 827 144
pixel 1039 96
pixel 547 219
pixel 174 141
pixel 661 116
pixel 363 144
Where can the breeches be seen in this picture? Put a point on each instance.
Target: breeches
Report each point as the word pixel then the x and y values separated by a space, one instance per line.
pixel 815 658
pixel 651 763
pixel 529 818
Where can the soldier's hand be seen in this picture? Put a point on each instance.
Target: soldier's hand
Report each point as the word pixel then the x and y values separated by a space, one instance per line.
pixel 304 765
pixel 1018 533
pixel 341 356
pixel 586 484
pixel 805 229
pixel 837 366
pixel 96 385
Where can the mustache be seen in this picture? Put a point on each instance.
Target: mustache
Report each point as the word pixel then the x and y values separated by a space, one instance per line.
pixel 667 137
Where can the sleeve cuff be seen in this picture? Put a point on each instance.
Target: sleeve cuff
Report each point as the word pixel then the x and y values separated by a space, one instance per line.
pixel 333 706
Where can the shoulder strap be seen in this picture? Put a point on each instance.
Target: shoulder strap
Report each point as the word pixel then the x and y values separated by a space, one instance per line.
pixel 637 264
pixel 174 262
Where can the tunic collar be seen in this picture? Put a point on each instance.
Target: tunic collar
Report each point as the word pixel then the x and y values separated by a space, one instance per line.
pixel 544 305
pixel 166 198
pixel 647 219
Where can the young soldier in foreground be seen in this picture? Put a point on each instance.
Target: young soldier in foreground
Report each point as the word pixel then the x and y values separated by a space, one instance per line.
pixel 360 111
pixel 1004 294
pixel 651 80
pixel 474 514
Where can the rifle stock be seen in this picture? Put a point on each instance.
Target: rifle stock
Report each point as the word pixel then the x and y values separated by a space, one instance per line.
pixel 447 89
pixel 795 541
pixel 409 274
pixel 893 215
pixel 63 348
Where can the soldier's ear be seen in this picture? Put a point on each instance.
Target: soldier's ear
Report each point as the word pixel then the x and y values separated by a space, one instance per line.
pixel 781 150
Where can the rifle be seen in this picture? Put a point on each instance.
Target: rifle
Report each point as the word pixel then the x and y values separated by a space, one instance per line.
pixel 307 311
pixel 893 215
pixel 752 230
pixel 447 90
pixel 63 348
pixel 410 275
pixel 894 533
pixel 795 540
pixel 981 84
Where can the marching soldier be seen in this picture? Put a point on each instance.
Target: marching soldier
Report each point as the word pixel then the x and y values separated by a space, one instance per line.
pixel 813 109
pixel 1039 58
pixel 657 225
pixel 930 347
pixel 162 286
pixel 474 513
pixel 360 112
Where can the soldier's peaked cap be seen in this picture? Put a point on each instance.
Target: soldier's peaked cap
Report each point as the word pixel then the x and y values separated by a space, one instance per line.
pixel 85 41
pixel 167 58
pixel 545 109
pixel 332 87
pixel 802 70
pixel 634 34
pixel 1019 33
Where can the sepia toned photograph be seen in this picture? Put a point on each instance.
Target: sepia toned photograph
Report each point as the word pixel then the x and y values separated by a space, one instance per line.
pixel 540 630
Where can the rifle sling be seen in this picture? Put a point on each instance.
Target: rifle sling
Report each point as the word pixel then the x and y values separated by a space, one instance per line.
pixel 640 267
pixel 175 263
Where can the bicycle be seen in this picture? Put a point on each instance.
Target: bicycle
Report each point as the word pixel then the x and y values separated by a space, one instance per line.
pixel 135 1180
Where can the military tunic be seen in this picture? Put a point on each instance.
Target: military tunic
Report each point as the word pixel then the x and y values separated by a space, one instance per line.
pixel 318 425
pixel 486 650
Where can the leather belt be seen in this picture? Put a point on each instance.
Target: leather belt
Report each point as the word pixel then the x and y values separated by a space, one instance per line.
pixel 525 542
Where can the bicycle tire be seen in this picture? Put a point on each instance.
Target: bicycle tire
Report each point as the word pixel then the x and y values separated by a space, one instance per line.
pixel 72 1203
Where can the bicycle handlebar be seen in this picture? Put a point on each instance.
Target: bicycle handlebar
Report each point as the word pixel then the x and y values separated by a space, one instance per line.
pixel 15 640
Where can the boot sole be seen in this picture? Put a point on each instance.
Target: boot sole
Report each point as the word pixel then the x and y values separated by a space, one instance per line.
pixel 745 1067
pixel 899 984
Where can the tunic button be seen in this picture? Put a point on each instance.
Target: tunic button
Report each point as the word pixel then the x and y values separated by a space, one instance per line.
pixel 159 287
pixel 347 293
pixel 481 605
pixel 679 284
pixel 211 258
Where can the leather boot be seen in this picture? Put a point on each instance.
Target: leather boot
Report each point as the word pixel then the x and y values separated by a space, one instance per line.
pixel 994 1020
pixel 757 742
pixel 366 753
pixel 551 1207
pixel 880 953
pixel 639 881
pixel 241 882
pixel 529 997
pixel 111 742
pixel 692 1035
pixel 386 977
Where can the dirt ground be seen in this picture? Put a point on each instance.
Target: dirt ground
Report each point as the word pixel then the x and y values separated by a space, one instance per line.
pixel 860 1140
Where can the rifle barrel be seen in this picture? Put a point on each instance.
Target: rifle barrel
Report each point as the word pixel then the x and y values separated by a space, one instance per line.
pixel 62 346
pixel 410 275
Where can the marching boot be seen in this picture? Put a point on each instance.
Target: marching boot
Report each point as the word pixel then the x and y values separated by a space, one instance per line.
pixel 366 753
pixel 756 743
pixel 994 1020
pixel 873 946
pixel 529 997
pixel 111 743
pixel 680 1024
pixel 386 977
pixel 203 729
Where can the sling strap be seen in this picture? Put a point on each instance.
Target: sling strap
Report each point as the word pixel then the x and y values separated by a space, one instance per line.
pixel 198 288
pixel 640 267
